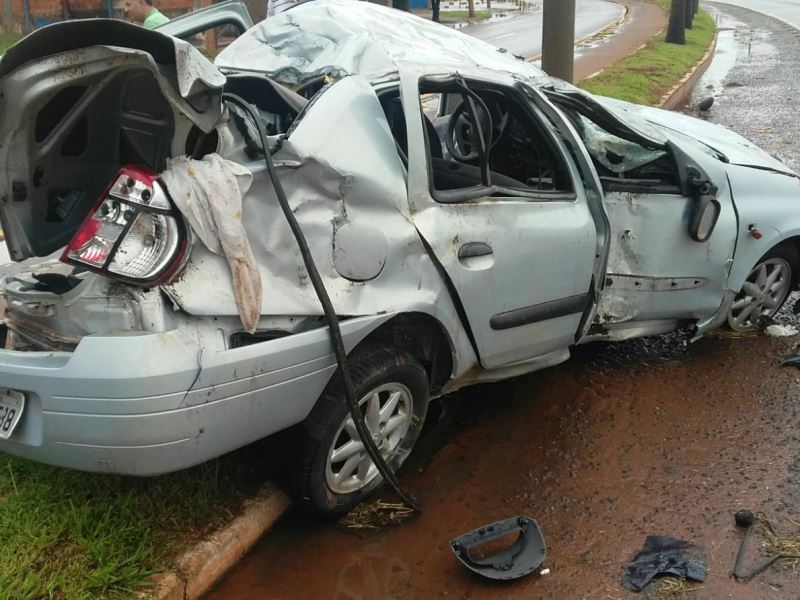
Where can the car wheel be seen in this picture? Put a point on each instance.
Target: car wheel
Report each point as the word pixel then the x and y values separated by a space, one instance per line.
pixel 766 288
pixel 333 472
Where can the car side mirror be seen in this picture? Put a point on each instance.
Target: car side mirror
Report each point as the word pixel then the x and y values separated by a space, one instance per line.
pixel 704 218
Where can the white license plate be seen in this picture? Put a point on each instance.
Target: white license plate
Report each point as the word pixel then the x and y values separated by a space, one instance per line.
pixel 11 405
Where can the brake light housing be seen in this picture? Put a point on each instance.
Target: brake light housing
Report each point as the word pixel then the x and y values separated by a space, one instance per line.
pixel 133 233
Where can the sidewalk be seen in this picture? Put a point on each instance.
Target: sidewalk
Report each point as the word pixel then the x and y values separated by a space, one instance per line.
pixel 643 22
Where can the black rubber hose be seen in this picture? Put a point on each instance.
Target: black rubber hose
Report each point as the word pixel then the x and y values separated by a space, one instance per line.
pixel 330 314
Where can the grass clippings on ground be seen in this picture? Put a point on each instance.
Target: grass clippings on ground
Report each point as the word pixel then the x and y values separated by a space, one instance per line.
pixel 73 535
pixel 774 545
pixel 674 588
pixel 645 76
pixel 376 514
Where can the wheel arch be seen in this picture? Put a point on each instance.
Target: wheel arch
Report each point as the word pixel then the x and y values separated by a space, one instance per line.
pixel 746 258
pixel 425 338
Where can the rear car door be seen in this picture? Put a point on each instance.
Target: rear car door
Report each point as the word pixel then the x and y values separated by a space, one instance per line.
pixel 513 234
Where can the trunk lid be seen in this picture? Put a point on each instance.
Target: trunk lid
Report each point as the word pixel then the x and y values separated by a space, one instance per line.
pixel 78 100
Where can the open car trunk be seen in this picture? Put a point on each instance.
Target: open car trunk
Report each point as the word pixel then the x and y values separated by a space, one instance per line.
pixel 80 99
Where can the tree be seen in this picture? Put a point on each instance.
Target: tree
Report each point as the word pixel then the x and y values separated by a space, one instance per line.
pixel 471 11
pixel 695 6
pixel 435 4
pixel 688 14
pixel 676 33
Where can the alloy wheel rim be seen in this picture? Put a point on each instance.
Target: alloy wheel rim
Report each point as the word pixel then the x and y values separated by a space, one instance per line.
pixel 387 411
pixel 762 294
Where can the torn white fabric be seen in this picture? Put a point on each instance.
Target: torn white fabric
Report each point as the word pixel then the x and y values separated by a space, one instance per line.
pixel 209 194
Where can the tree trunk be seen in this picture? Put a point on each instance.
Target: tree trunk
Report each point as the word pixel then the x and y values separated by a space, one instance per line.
pixel 675 28
pixel 687 13
pixel 488 4
pixel 695 6
pixel 471 11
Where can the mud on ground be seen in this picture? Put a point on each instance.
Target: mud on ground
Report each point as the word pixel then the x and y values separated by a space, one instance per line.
pixel 627 440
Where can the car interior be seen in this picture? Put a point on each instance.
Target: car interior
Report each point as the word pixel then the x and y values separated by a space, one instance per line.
pixel 506 154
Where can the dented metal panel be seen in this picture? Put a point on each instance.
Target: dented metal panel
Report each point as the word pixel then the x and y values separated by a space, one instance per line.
pixel 341 37
pixel 655 270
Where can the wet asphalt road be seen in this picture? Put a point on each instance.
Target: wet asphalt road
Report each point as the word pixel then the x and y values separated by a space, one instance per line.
pixel 522 35
pixel 643 437
pixel 788 10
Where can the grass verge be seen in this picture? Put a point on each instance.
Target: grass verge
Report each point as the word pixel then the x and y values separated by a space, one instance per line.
pixel 8 39
pixel 449 15
pixel 72 535
pixel 645 76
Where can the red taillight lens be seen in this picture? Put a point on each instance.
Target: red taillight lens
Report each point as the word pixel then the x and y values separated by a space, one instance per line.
pixel 133 232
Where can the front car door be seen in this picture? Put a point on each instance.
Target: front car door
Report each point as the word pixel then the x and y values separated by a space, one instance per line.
pixel 658 275
pixel 505 217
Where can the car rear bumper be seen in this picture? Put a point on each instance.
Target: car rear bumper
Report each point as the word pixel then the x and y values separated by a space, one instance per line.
pixel 156 403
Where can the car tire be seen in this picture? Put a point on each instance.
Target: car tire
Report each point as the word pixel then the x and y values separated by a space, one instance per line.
pixel 759 295
pixel 320 480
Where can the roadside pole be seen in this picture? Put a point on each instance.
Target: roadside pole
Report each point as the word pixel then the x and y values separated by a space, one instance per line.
pixel 558 38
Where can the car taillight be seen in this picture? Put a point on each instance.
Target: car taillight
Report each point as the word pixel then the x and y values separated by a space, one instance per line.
pixel 133 232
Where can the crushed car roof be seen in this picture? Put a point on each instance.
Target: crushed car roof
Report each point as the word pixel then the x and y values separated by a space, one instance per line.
pixel 338 37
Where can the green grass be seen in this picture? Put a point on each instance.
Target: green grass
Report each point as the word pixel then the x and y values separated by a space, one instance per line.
pixel 464 14
pixel 71 535
pixel 645 76
pixel 8 39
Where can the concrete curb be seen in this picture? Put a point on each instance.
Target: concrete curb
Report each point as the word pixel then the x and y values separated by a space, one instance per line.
pixel 681 91
pixel 199 568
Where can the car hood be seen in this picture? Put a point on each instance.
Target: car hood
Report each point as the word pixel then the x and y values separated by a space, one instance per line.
pixel 682 128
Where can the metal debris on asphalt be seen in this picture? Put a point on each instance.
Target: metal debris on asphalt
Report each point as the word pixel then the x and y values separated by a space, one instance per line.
pixel 779 548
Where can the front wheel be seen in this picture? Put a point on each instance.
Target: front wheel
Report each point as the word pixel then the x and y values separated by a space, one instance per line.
pixel 766 288
pixel 333 472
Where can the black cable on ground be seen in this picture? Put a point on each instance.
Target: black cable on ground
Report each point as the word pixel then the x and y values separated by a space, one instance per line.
pixel 330 313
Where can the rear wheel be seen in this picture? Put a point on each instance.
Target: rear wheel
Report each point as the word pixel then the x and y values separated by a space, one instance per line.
pixel 333 472
pixel 766 288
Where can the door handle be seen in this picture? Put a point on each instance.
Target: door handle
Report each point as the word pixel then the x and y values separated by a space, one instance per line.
pixel 474 249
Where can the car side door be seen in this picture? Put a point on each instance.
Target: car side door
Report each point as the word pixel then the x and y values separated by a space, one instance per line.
pixel 512 234
pixel 667 262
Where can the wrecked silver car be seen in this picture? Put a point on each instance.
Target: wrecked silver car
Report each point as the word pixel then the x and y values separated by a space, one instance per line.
pixel 470 218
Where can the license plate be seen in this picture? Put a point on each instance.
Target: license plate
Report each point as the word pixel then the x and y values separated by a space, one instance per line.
pixel 11 405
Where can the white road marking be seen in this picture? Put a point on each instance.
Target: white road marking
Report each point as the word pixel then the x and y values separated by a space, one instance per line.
pixel 505 35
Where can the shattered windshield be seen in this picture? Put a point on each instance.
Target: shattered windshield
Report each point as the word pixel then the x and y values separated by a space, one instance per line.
pixel 614 153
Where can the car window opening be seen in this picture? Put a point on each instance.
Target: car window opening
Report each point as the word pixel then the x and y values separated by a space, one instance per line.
pixel 623 164
pixel 508 155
